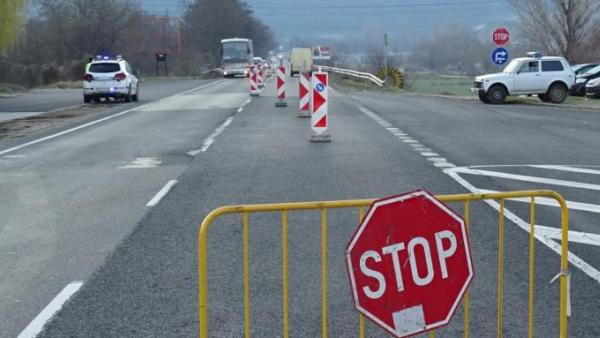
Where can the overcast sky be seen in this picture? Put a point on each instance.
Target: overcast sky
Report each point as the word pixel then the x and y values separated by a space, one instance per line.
pixel 339 18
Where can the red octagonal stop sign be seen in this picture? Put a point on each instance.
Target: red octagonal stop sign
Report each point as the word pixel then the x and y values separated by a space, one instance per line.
pixel 501 36
pixel 409 263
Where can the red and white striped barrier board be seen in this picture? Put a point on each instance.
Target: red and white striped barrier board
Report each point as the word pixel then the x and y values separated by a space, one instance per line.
pixel 253 81
pixel 260 76
pixel 280 87
pixel 318 102
pixel 304 91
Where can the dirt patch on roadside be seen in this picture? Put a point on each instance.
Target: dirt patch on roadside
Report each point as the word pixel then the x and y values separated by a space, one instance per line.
pixel 18 128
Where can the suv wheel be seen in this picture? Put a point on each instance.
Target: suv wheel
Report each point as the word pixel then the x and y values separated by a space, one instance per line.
pixel 483 97
pixel 496 94
pixel 544 97
pixel 557 93
pixel 87 98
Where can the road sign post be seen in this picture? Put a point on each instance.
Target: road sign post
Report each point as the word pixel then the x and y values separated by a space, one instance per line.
pixel 319 107
pixel 409 263
pixel 304 94
pixel 500 37
pixel 280 87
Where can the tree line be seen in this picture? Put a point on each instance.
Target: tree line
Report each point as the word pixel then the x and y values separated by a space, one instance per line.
pixel 53 42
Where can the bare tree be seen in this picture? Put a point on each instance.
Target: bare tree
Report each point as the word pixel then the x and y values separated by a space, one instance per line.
pixel 560 27
pixel 206 22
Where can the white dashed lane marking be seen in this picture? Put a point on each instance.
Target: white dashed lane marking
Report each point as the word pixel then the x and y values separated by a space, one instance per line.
pixel 404 137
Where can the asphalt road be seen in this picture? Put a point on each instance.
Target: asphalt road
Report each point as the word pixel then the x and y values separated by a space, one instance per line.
pixel 138 264
pixel 40 101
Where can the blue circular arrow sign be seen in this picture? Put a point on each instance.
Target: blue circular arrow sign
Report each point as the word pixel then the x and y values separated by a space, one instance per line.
pixel 500 56
pixel 320 87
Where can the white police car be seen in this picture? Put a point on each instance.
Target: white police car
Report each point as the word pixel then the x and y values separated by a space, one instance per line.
pixel 550 77
pixel 110 77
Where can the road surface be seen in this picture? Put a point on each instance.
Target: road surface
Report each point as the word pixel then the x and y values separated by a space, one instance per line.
pixel 111 211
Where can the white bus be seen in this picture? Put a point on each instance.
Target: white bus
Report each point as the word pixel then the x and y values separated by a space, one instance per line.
pixel 236 56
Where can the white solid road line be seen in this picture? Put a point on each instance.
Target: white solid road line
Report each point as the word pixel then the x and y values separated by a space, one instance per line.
pixel 567 168
pixel 595 208
pixel 35 327
pixel 574 236
pixel 573 259
pixel 162 193
pixel 525 178
pixel 89 124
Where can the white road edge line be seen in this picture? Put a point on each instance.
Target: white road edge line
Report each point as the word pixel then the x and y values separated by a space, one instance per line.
pixel 240 109
pixel 162 193
pixel 89 124
pixel 566 168
pixel 575 260
pixel 595 208
pixel 37 324
pixel 574 236
pixel 526 178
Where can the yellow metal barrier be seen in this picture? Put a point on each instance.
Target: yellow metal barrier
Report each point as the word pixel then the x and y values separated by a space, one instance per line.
pixel 284 208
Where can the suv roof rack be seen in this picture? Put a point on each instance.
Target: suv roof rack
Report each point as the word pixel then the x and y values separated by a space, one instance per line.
pixel 537 55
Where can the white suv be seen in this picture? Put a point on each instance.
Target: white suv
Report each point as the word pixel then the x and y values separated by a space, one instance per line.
pixel 110 77
pixel 550 77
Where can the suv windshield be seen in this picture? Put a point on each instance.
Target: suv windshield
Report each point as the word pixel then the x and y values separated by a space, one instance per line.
pixel 512 66
pixel 105 68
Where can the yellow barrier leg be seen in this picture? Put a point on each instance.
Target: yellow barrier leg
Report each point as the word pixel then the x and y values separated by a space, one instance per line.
pixel 246 278
pixel 500 266
pixel 531 262
pixel 361 318
pixel 324 271
pixel 466 300
pixel 284 254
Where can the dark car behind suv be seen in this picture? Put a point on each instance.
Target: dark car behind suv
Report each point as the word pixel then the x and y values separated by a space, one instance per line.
pixel 582 79
pixel 583 67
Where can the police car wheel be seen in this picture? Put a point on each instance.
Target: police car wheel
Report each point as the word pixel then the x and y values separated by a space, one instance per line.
pixel 136 97
pixel 128 96
pixel 87 99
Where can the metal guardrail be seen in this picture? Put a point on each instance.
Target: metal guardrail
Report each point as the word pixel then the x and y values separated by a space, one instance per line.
pixel 354 73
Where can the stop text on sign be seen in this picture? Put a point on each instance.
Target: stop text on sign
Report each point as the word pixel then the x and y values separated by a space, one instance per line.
pixel 501 36
pixel 420 262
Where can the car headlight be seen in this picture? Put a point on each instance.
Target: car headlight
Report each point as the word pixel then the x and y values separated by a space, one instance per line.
pixel 580 80
pixel 593 82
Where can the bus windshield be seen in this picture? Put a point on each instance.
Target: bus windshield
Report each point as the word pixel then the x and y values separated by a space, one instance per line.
pixel 236 51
